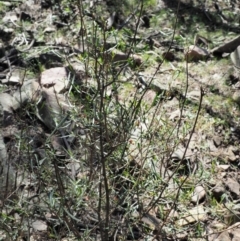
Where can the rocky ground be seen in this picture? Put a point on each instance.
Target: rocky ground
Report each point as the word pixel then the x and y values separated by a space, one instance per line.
pixel 120 121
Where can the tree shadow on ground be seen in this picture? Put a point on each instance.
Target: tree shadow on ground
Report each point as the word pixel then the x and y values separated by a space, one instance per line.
pixel 190 15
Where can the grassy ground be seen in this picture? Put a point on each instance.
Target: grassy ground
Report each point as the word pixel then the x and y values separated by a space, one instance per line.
pixel 147 131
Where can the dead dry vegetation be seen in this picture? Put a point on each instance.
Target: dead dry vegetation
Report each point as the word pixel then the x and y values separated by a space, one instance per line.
pixel 119 120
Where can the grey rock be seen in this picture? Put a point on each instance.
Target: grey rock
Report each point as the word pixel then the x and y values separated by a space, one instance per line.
pixel 55 79
pixel 197 213
pixel 235 57
pixel 199 239
pixel 235 234
pixel 28 93
pixel 236 96
pixel 57 143
pixel 227 47
pixel 16 76
pixel 150 97
pixel 218 191
pixel 223 167
pixel 7 179
pixel 231 234
pixel 118 56
pixel 213 229
pixel 217 140
pixel 223 237
pixel 230 154
pixel 198 195
pixel 6 3
pixel 39 225
pixel 233 186
pixel 10 17
pixel 6 30
pixel 7 104
pixel 51 109
pixel 179 154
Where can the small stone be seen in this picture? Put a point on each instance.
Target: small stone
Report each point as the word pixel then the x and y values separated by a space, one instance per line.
pixel 6 3
pixel 198 195
pixel 218 191
pixel 234 231
pixel 57 143
pixel 149 97
pixel 39 225
pixel 230 154
pixel 182 236
pixel 173 214
pixel 118 56
pixel 235 57
pixel 52 109
pixel 7 30
pixel 10 17
pixel 35 237
pixel 194 95
pixel 55 79
pixel 28 93
pixel 14 77
pixel 217 141
pixel 233 186
pixel 179 154
pixel 223 167
pixel 218 226
pixel 193 215
pixel 224 236
pixel 49 29
pixel 231 234
pixel 6 101
pixel 195 53
pixel 7 104
pixel 154 42
pixel 199 239
pixel 236 96
pixel 223 174
pixel 168 56
pixel 17 218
